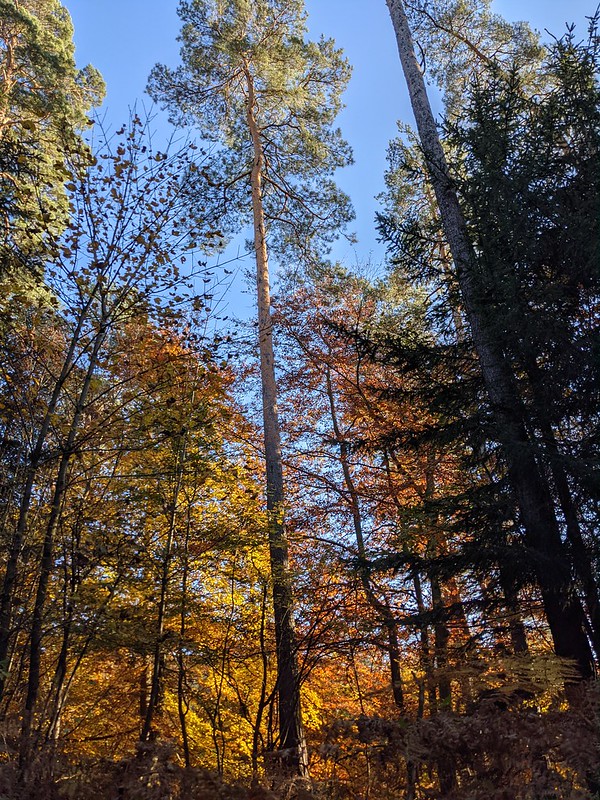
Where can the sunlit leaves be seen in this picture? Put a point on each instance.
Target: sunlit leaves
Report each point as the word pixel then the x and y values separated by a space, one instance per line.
pixel 298 87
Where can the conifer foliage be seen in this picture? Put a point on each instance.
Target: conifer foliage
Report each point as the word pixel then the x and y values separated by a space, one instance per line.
pixel 44 99
pixel 386 588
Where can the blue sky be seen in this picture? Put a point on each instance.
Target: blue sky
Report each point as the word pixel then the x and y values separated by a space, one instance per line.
pixel 125 38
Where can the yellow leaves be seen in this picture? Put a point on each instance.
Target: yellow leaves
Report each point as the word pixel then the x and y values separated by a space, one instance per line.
pixel 537 678
pixel 313 707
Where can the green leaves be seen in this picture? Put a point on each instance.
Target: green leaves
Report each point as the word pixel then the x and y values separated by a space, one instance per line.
pixel 232 49
pixel 43 106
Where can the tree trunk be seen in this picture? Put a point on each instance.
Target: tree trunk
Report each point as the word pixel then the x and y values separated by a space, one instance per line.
pixel 562 606
pixel 381 607
pixel 61 684
pixel 158 656
pixel 182 678
pixel 516 628
pixel 582 560
pixel 47 559
pixel 291 731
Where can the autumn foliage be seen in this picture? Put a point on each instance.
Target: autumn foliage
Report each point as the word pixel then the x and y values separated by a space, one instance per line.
pixel 139 653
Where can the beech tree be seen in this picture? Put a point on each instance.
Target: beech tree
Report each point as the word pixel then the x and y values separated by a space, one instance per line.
pixel 252 83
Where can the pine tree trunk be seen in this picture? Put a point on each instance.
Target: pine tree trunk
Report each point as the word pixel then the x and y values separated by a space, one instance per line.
pixel 291 731
pixel 563 608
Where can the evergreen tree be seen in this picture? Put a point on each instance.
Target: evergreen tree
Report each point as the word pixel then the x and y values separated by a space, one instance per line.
pixel 43 103
pixel 508 403
pixel 530 188
pixel 251 82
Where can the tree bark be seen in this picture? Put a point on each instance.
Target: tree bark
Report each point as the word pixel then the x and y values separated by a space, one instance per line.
pixel 165 579
pixel 562 606
pixel 182 678
pixel 291 730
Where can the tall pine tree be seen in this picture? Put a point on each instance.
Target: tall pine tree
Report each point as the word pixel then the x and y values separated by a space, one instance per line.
pixel 252 83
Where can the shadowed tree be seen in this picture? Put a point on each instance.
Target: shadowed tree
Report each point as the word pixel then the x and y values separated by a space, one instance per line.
pixel 562 607
pixel 43 103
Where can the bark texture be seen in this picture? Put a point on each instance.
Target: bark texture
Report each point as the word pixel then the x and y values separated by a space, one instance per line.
pixel 292 743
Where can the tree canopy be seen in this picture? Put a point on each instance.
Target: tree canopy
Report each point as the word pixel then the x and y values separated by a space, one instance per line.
pixel 232 48
pixel 44 100
pixel 350 551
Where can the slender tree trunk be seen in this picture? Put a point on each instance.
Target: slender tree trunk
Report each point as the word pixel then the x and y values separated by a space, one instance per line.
pixel 165 577
pixel 446 768
pixel 442 638
pixel 61 684
pixel 291 730
pixel 516 628
pixel 562 606
pixel 381 607
pixel 58 690
pixel 182 701
pixel 47 559
pixel 143 690
pixel 263 699
pixel 37 632
pixel 445 764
